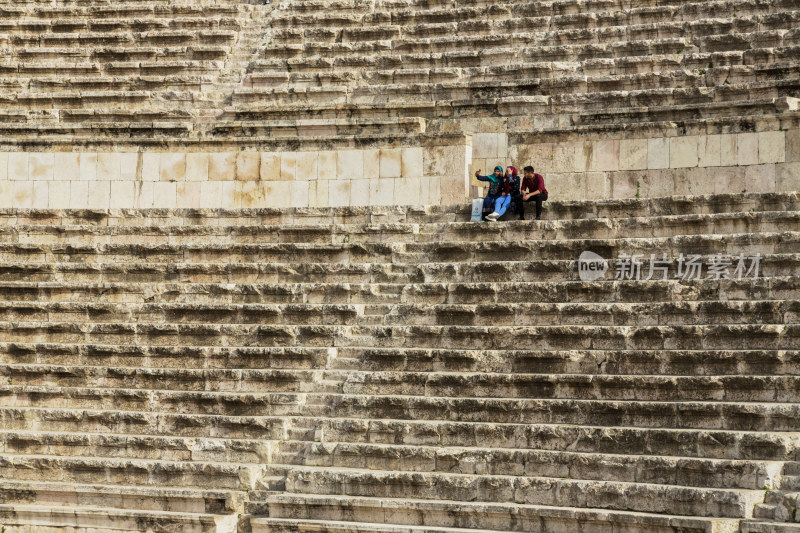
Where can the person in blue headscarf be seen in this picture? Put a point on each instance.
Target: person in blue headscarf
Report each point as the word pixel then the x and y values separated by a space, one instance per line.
pixel 497 190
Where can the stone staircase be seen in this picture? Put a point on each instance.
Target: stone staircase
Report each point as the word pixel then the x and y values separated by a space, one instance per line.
pixel 399 370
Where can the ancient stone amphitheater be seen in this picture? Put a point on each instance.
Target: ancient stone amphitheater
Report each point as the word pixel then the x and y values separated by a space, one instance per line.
pixel 239 291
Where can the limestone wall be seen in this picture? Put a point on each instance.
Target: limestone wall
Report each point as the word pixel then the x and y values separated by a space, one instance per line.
pixel 435 173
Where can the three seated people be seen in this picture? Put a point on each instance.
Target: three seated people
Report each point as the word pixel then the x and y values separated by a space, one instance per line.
pixel 507 192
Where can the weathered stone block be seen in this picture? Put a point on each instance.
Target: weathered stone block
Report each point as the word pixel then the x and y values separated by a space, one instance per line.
pixel 411 163
pixel 605 156
pixel 359 191
pixel 372 163
pixel 150 166
pixel 350 165
pixel 632 154
pixel 40 166
pixel 381 192
pixel 793 145
pixel 658 153
pixel 747 148
pixel 406 191
pixel 58 195
pixel 683 152
pixel 128 165
pixel 122 195
pixel 187 194
pixel 248 166
pixel 390 164
pixel 760 178
pixel 222 166
pixel 270 166
pixel 327 165
pixel 307 167
pixel 197 166
pixel 771 147
pixel 18 166
pixel 708 150
pixel 728 151
pixel 99 193
pixel 165 195
pixel 339 193
pixel 787 177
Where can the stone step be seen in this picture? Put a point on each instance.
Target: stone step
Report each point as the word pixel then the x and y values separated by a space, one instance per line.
pixel 139 356
pixel 697 337
pixel 744 474
pixel 501 284
pixel 534 274
pixel 557 210
pixel 641 497
pixel 635 227
pixel 511 313
pixel 121 422
pixel 420 516
pixel 734 244
pixel 125 471
pixel 290 525
pixel 751 416
pixel 60 495
pixel 90 519
pixel 440 384
pixel 146 447
pixel 715 444
pixel 768 526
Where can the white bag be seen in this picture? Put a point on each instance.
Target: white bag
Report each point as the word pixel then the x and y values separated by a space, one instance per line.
pixel 477 209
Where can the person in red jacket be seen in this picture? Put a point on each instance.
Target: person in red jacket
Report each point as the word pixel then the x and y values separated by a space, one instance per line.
pixel 533 190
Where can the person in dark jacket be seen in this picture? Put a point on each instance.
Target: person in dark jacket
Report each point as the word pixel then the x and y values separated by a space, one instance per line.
pixel 533 190
pixel 496 190
pixel 513 186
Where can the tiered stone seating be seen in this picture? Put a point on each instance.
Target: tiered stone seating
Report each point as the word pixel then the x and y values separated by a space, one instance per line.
pixel 397 369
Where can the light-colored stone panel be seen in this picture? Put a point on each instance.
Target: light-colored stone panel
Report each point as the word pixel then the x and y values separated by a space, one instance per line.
pixel 3 166
pixel 172 167
pixel 606 156
pixel 128 163
pixel 350 165
pixel 381 192
pixel 222 166
pixel 632 154
pixel 563 158
pixel 435 183
pixel 230 195
pixel 793 145
pixel 41 194
pixel 502 145
pixel 187 194
pixel 318 196
pixel 270 166
pixel 566 186
pixel 66 166
pixel 339 193
pixel 18 166
pixel 165 195
pixel 210 193
pixel 144 194
pixel 78 194
pixel 598 186
pixel 7 194
pixel 248 166
pixel 658 153
pixel 99 194
pixel 307 165
pixel 23 194
pixel 58 195
pixel 708 151
pixel 728 150
pixel 299 193
pixel 326 167
pixel 484 146
pixel 747 148
pixel 253 194
pixel 288 166
pixel 771 147
pixel 760 178
pixel 451 163
pixel 787 177
pixel 391 166
pixel 122 195
pixel 108 166
pixel 683 151
pixel 728 180
pixel 623 183
pixel 151 162
pixel 407 191
pixel 196 166
pixel 40 166
pixel 372 163
pixel 411 162
pixel 359 191
pixel 697 181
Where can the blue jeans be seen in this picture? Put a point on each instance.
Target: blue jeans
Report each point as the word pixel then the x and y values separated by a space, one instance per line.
pixel 501 204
